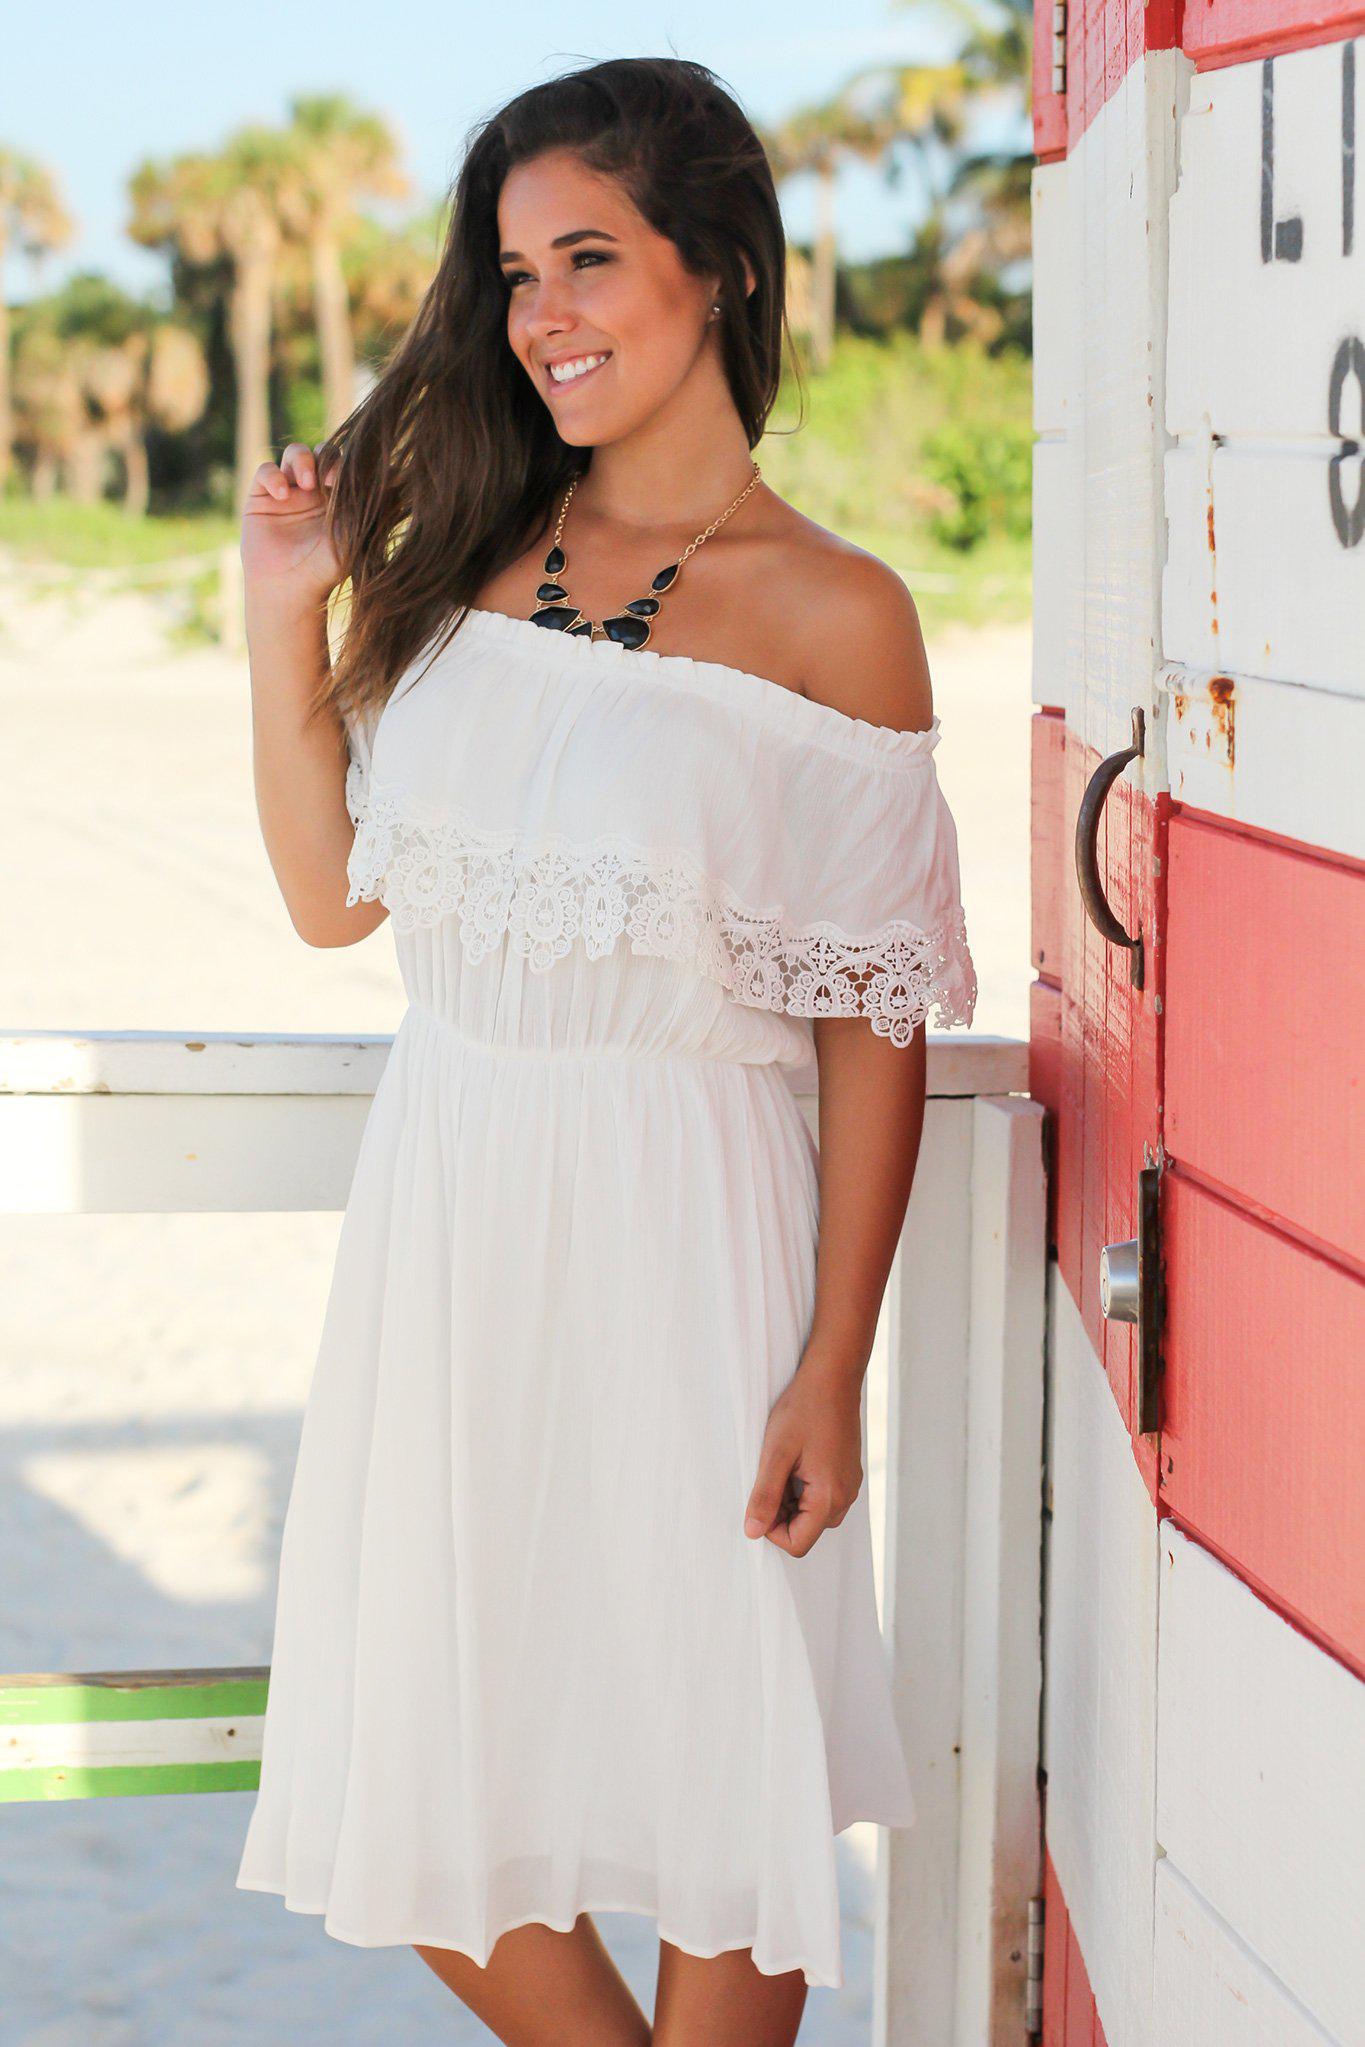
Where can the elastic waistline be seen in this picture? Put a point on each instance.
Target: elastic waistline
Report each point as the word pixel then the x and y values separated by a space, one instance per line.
pixel 576 1054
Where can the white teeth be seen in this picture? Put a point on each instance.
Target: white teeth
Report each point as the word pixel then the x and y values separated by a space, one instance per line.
pixel 565 372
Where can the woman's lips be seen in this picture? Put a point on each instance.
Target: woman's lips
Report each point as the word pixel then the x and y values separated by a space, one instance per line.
pixel 572 383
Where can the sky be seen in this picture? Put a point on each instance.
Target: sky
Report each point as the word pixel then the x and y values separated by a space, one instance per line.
pixel 92 89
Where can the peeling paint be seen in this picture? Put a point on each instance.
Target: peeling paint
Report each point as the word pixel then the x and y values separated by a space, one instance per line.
pixel 1223 704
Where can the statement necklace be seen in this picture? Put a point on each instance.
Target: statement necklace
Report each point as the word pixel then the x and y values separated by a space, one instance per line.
pixel 556 610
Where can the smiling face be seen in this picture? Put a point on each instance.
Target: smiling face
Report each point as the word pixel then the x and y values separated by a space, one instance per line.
pixel 601 312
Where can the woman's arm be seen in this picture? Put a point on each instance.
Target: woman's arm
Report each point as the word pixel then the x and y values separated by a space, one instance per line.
pixel 871 1114
pixel 871 1109
pixel 871 1118
pixel 289 571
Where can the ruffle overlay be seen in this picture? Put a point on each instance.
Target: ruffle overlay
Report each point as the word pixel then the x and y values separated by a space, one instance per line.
pixel 803 859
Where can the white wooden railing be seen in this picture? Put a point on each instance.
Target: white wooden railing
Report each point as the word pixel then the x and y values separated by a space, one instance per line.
pixel 157 1122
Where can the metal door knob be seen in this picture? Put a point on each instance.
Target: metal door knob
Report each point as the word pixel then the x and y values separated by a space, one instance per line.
pixel 1120 1282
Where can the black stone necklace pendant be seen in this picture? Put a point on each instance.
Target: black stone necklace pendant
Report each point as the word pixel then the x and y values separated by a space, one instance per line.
pixel 630 628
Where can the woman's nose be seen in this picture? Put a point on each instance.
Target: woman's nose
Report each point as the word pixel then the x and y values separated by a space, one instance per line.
pixel 549 319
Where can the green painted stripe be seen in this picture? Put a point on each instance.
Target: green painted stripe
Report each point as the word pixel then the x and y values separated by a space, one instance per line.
pixel 39 1705
pixel 126 1781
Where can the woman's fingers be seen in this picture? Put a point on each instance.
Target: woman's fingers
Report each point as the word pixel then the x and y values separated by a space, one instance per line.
pixel 269 481
pixel 298 464
pixel 807 1524
pixel 775 1463
pixel 297 469
pixel 791 1511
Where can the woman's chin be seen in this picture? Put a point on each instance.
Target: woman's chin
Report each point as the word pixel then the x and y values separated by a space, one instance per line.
pixel 590 433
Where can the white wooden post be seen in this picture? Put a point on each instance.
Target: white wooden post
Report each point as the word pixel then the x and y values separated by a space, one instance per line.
pixel 963 1579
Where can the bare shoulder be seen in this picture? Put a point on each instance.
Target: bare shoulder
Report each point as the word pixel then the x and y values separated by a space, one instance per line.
pixel 864 650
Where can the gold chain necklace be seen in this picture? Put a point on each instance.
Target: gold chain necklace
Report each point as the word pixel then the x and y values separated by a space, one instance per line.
pixel 630 628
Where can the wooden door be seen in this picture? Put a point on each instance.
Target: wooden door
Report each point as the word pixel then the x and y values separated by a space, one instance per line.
pixel 1199 513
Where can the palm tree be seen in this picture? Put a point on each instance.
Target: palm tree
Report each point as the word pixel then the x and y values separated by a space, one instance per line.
pixel 863 121
pixel 158 377
pixel 994 62
pixel 810 140
pixel 50 420
pixel 997 233
pixel 389 272
pixel 996 53
pixel 94 370
pixel 206 208
pixel 32 213
pixel 336 155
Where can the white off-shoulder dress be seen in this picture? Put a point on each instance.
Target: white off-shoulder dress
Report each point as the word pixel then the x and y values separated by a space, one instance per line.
pixel 526 1661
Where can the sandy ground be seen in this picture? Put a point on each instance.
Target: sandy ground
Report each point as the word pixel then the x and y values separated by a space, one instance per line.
pixel 154 1368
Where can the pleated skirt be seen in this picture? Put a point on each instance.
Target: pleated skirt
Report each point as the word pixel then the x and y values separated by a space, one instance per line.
pixel 526 1662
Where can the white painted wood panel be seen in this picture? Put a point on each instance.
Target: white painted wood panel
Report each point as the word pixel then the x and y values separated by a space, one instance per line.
pixel 1056 287
pixel 163 1154
pixel 1121 176
pixel 1274 755
pixel 88 1130
pixel 1257 579
pixel 1058 413
pixel 1099 537
pixel 326 1063
pixel 185 1063
pixel 929 1321
pixel 1254 333
pixel 1058 572
pixel 962 1587
pixel 1000 1830
pixel 1211 1991
pixel 130 1744
pixel 1261 1782
pixel 1099 1733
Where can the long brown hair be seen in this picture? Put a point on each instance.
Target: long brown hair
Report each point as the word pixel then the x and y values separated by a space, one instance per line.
pixel 449 465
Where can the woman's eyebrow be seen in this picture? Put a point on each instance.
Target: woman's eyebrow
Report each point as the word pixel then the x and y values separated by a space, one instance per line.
pixel 578 234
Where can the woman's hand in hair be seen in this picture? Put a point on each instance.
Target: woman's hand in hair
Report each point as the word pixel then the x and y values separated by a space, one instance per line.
pixel 299 760
pixel 287 550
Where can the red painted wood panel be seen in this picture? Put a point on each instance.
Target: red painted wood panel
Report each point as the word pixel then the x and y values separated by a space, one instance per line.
pixel 1044 1082
pixel 1218 32
pixel 1080 1998
pixel 1055 1946
pixel 1050 872
pixel 1070 2015
pixel 1107 1082
pixel 1049 107
pixel 1265 1051
pixel 1263 1439
pixel 1105 38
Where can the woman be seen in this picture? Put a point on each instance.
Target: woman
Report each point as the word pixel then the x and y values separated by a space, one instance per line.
pixel 576 1603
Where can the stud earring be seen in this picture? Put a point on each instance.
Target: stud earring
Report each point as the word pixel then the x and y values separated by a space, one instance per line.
pixel 715 308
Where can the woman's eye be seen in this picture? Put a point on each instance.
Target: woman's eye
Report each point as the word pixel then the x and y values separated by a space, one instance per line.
pixel 512 278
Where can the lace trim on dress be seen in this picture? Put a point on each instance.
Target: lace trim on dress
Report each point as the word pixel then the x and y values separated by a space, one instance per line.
pixel 545 893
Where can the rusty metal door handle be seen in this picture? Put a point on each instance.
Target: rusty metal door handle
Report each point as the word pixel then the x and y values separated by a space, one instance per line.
pixel 1087 849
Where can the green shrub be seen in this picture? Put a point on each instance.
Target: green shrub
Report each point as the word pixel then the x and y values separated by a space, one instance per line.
pixel 985 467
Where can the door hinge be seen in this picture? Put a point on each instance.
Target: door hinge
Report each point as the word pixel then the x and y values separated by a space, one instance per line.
pixel 1059 46
pixel 1033 1982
